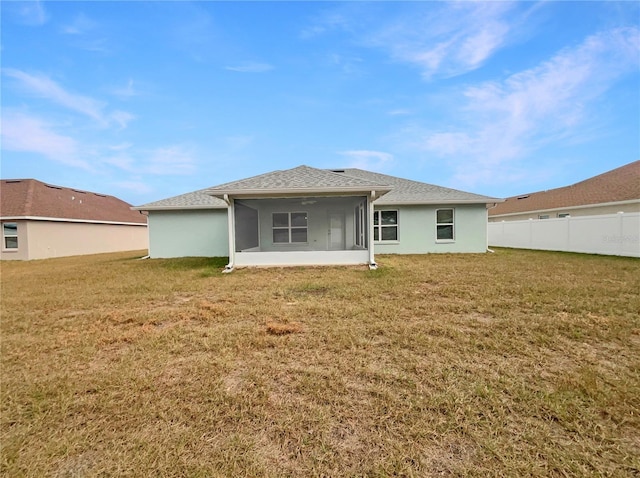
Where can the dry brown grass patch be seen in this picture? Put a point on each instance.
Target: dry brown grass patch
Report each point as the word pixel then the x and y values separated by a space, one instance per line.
pixel 279 328
pixel 517 363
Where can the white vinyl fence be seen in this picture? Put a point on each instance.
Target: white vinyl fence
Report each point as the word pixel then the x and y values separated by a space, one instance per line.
pixel 611 234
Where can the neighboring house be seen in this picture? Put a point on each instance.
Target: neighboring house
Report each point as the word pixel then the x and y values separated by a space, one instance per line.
pixel 41 220
pixel 615 191
pixel 308 216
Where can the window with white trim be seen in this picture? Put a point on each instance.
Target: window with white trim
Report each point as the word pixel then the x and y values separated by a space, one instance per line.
pixel 445 230
pixel 385 225
pixel 10 235
pixel 289 227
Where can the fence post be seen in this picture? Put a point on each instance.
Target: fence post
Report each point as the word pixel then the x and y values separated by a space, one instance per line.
pixel 620 232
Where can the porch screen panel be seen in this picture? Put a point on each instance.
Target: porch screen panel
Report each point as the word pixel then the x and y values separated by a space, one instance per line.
pixel 247 233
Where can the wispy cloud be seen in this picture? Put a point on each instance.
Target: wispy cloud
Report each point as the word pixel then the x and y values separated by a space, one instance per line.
pixel 365 159
pixel 125 92
pixel 250 67
pixel 80 25
pixel 175 159
pixel 48 89
pixel 30 13
pixel 28 134
pixel 441 39
pixel 449 38
pixel 135 186
pixel 502 121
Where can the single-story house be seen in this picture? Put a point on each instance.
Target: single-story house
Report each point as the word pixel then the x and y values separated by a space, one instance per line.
pixel 615 191
pixel 41 220
pixel 309 216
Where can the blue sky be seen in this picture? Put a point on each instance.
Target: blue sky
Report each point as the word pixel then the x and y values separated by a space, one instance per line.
pixel 146 100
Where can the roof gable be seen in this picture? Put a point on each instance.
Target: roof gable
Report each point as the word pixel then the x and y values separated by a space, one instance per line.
pixel 301 178
pixel 193 200
pixel 308 180
pixel 32 198
pixel 620 184
pixel 407 191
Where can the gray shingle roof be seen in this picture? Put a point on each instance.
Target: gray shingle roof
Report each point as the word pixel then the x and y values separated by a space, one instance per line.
pixel 194 200
pixel 300 178
pixel 406 191
pixel 306 179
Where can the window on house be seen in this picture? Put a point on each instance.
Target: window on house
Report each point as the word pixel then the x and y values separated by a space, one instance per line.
pixel 543 216
pixel 385 226
pixel 10 235
pixel 289 227
pixel 564 214
pixel 445 230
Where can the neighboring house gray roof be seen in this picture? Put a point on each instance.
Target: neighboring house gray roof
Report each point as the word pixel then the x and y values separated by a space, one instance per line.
pixel 308 180
pixel 301 179
pixel 406 191
pixel 194 200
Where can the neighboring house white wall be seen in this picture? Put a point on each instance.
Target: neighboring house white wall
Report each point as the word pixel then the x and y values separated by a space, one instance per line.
pixel 417 230
pixel 198 232
pixel 46 239
pixel 611 234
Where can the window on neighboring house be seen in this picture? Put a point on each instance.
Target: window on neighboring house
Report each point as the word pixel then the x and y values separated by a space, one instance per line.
pixel 385 226
pixel 10 235
pixel 543 216
pixel 564 214
pixel 445 230
pixel 289 227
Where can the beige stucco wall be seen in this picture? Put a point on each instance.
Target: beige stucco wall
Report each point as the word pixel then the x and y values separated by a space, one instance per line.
pixel 45 239
pixel 574 212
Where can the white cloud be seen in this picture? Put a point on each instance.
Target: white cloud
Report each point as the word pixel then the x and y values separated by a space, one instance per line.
pixel 250 67
pixel 30 13
pixel 49 89
pixel 447 39
pixel 45 87
pixel 135 186
pixel 504 120
pixel 122 118
pixel 125 92
pixel 175 159
pixel 29 134
pixel 399 112
pixel 365 159
pixel 80 25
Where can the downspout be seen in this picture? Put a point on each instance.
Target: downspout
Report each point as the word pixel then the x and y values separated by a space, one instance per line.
pixel 231 225
pixel 487 234
pixel 372 259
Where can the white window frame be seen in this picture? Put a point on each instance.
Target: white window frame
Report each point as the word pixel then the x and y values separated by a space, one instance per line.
pixel 5 236
pixel 290 227
pixel 452 224
pixel 361 225
pixel 377 228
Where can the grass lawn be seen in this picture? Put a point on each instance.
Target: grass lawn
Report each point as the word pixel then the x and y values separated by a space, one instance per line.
pixel 518 363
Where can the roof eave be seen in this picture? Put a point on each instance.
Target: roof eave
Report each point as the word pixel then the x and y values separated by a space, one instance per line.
pixel 70 219
pixel 383 202
pixel 175 208
pixel 275 192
